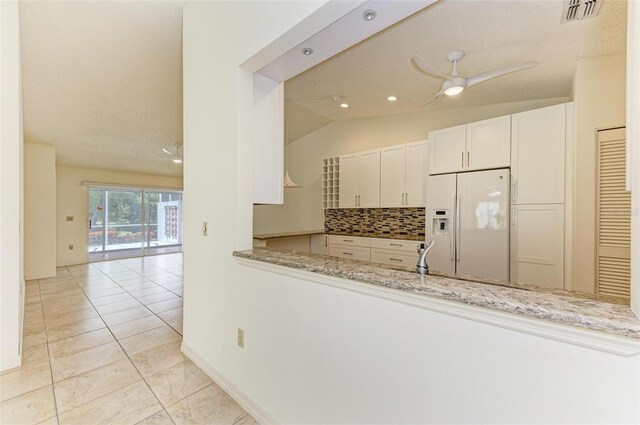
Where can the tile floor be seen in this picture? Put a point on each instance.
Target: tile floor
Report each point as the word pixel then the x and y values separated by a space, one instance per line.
pixel 102 346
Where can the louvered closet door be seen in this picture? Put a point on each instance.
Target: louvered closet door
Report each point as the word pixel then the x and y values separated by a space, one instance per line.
pixel 614 216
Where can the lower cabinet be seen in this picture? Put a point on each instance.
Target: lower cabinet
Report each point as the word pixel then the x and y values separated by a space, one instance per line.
pixel 320 244
pixel 537 245
pixel 377 250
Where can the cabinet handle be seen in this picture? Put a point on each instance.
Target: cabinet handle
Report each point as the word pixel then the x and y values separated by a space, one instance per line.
pixel 395 259
pixel 468 156
pixel 347 240
pixel 348 253
pixel 513 192
pixel 406 199
pixel 402 199
pixel 462 159
pixel 358 200
pixel 326 239
pixel 513 216
pixel 395 244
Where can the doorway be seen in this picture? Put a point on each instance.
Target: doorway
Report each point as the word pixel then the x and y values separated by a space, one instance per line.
pixel 131 222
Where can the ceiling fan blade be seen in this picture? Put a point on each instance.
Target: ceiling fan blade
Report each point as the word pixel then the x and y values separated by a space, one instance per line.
pixel 440 93
pixel 483 76
pixel 424 66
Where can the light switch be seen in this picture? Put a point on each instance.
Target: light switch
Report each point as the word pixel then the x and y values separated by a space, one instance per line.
pixel 205 228
pixel 241 337
pixel 69 218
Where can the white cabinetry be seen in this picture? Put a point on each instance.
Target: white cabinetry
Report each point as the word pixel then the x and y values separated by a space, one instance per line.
pixel 319 244
pixel 480 145
pixel 403 172
pixel 377 250
pixel 360 179
pixel 537 244
pixel 537 156
pixel 446 150
pixel 354 247
pixel 488 144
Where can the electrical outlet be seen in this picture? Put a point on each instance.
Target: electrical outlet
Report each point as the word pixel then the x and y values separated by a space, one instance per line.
pixel 69 218
pixel 205 228
pixel 70 247
pixel 241 338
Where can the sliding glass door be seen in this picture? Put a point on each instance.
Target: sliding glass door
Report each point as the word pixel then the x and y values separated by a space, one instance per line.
pixel 133 222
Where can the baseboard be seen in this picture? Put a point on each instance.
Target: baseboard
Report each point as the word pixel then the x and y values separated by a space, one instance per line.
pixel 10 363
pixel 250 405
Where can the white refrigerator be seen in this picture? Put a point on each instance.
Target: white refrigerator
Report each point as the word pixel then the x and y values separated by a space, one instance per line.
pixel 468 217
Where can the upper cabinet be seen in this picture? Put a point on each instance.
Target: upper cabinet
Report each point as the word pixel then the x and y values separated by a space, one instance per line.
pixel 480 145
pixel 537 156
pixel 447 149
pixel 360 180
pixel 403 172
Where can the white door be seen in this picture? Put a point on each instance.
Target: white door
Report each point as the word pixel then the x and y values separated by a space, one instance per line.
pixel 447 150
pixel 489 144
pixel 440 222
pixel 368 179
pixel 416 174
pixel 537 156
pixel 537 245
pixel 482 248
pixel 392 176
pixel 348 180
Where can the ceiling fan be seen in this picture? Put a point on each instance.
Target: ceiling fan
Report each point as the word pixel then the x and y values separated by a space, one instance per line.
pixel 454 83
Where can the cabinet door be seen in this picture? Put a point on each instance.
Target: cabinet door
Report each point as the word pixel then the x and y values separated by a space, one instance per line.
pixel 348 180
pixel 416 174
pixel 368 179
pixel 537 156
pixel 392 176
pixel 489 144
pixel 447 150
pixel 320 244
pixel 537 245
pixel 354 253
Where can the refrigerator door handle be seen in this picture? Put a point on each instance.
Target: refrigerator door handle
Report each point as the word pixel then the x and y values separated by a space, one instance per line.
pixel 513 216
pixel 452 231
pixel 458 220
pixel 513 192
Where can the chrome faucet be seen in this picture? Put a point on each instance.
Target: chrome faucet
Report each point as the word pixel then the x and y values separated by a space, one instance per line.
pixel 423 250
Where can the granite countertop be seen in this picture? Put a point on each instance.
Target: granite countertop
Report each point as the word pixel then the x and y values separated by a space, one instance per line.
pixel 288 234
pixel 559 306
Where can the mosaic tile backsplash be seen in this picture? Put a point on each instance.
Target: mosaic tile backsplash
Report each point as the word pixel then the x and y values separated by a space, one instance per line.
pixel 393 223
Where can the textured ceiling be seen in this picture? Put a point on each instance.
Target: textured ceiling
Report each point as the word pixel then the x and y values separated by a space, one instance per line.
pixel 492 34
pixel 102 81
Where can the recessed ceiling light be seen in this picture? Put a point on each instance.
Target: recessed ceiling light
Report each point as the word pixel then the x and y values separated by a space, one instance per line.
pixel 369 15
pixel 392 98
pixel 344 105
pixel 307 51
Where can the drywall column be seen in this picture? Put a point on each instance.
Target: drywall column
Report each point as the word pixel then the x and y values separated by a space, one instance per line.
pixel 11 277
pixel 39 211
pixel 597 106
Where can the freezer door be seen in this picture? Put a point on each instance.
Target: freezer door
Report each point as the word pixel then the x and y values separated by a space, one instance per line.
pixel 440 222
pixel 483 224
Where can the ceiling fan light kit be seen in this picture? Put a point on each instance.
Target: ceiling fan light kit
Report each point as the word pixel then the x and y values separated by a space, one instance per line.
pixel 454 83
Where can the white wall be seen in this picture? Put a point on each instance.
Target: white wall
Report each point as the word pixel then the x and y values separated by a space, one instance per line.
pixel 72 200
pixel 318 354
pixel 302 209
pixel 599 98
pixel 11 183
pixel 39 211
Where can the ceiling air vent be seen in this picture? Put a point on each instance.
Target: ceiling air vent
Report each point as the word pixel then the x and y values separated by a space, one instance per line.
pixel 577 10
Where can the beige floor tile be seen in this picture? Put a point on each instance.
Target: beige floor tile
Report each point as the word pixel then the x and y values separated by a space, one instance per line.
pixel 73 303
pixel 123 276
pixel 30 408
pixel 88 386
pixel 166 305
pixel 160 418
pixel 34 338
pixel 88 282
pixel 83 361
pixel 208 406
pixel 70 317
pixel 52 421
pixel 167 279
pixel 62 289
pixel 60 296
pixel 75 328
pixel 147 291
pixel 149 339
pixel 32 326
pixel 123 330
pixel 138 285
pixel 177 325
pixel 75 344
pixel 177 382
pixel 35 355
pixel 173 286
pixel 98 294
pixel 24 380
pixel 171 315
pixel 118 306
pixel 178 292
pixel 111 299
pixel 127 405
pixel 158 358
pixel 34 308
pixel 162 296
pixel 126 315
